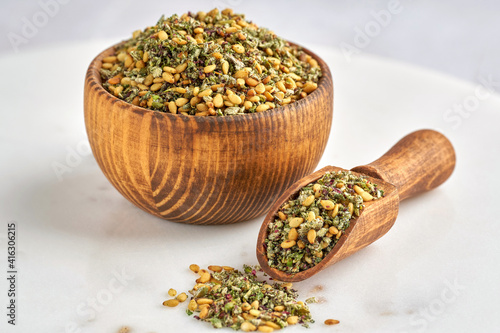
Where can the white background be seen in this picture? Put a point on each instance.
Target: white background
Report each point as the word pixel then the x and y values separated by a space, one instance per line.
pixel 437 270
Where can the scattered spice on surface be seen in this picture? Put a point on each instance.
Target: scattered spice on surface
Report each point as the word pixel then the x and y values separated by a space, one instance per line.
pixel 307 227
pixel 209 64
pixel 181 297
pixel 226 297
pixel 171 303
pixel 331 322
pixel 311 300
pixel 321 300
pixel 317 288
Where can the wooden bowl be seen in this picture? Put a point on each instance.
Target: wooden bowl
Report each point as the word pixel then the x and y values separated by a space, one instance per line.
pixel 205 170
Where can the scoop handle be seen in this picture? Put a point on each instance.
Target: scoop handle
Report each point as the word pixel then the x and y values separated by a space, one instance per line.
pixel 419 162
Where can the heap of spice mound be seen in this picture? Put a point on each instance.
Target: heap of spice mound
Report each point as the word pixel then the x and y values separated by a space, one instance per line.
pixel 226 297
pixel 209 64
pixel 307 228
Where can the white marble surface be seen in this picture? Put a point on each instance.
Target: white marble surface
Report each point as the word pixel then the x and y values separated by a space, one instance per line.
pixel 89 261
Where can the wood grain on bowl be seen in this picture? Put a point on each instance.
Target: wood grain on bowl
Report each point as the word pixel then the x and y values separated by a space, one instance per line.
pixel 205 170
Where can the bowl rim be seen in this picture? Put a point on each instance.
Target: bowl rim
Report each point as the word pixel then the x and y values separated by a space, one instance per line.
pixel 93 81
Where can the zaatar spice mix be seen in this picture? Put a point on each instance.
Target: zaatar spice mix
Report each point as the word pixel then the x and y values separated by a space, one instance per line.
pixel 209 64
pixel 308 226
pixel 226 297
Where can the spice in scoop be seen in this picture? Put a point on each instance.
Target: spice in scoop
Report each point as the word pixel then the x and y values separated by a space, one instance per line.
pixel 307 228
pixel 209 64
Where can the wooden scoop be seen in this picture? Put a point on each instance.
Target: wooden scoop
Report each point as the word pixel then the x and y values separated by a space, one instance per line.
pixel 419 162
